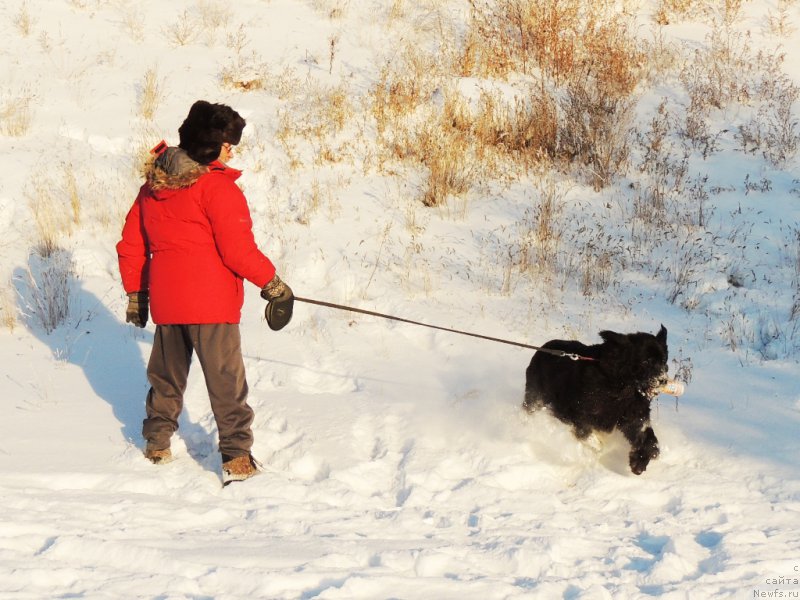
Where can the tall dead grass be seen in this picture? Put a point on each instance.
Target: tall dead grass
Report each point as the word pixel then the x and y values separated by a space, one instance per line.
pixel 674 11
pixel 726 73
pixel 563 40
pixel 8 306
pixel 51 220
pixel 779 21
pixel 23 20
pixel 201 22
pixel 151 92
pixel 57 203
pixel 311 125
pixel 49 294
pixel 16 113
pixel 589 64
pixel 574 67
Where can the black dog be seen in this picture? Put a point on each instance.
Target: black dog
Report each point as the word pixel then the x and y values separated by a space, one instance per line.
pixel 612 389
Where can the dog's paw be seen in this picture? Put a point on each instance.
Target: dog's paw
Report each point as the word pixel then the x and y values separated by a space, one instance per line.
pixel 638 462
pixel 640 457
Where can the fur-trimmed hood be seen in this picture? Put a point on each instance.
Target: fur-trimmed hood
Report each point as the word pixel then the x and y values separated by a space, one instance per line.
pixel 173 169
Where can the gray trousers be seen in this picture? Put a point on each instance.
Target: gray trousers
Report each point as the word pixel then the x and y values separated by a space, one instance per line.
pixel 219 350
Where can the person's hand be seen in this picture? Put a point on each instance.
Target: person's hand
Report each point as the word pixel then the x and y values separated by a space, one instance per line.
pixel 280 303
pixel 137 310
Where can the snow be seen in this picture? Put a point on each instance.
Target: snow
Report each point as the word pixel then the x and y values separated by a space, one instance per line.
pixel 397 461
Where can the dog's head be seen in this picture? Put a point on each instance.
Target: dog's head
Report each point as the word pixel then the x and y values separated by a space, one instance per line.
pixel 639 358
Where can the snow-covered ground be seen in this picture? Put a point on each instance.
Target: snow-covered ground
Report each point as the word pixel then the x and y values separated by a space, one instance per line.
pixel 397 461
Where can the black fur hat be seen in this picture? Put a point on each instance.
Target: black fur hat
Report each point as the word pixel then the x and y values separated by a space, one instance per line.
pixel 207 127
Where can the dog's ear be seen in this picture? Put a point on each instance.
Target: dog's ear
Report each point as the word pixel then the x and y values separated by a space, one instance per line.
pixel 661 336
pixel 612 337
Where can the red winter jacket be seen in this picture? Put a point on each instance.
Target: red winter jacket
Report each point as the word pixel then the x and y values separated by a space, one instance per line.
pixel 188 239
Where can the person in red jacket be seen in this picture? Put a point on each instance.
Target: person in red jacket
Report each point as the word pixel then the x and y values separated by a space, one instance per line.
pixel 187 245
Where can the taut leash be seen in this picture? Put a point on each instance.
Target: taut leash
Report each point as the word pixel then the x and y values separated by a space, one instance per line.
pixel 372 313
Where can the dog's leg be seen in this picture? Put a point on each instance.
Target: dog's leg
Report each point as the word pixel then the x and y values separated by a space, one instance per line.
pixel 581 431
pixel 533 401
pixel 534 395
pixel 644 445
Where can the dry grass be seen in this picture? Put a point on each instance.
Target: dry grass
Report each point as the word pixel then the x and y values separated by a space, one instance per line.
pixel 16 114
pixel 669 11
pixel 656 150
pixel 524 132
pixel 333 9
pixel 540 234
pixel 443 149
pixel 246 73
pixel 73 196
pixel 23 21
pixel 237 40
pixel 422 118
pixel 779 22
pixel 184 31
pixel 719 73
pixel 51 219
pixel 333 42
pixel 596 131
pixel 133 22
pixel 662 56
pixel 563 40
pixel 726 73
pixel 437 139
pixel 403 86
pixel 108 198
pixel 212 15
pixel 72 193
pixel 547 227
pixel 397 10
pixel 285 134
pixel 315 120
pixel 8 306
pixel 461 144
pixel 150 94
pixel 49 281
pixel 521 35
pixel 334 107
pixel 202 21
pixel 580 66
pixel 319 196
pixel 773 129
pixel 731 11
pixel 675 11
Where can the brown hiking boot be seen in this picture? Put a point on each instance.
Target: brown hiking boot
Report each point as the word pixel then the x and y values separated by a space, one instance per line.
pixel 239 468
pixel 158 457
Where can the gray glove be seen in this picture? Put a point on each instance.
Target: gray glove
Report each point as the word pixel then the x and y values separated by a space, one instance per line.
pixel 280 303
pixel 137 311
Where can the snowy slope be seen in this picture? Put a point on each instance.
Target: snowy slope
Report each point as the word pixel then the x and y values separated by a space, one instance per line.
pixel 397 461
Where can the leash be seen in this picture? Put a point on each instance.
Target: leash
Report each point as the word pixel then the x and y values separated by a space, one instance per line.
pixel 372 313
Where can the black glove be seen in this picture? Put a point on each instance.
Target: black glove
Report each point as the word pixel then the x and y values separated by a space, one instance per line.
pixel 137 310
pixel 280 303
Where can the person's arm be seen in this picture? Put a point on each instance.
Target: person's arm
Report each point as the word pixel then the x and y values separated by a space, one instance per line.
pixel 133 253
pixel 134 261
